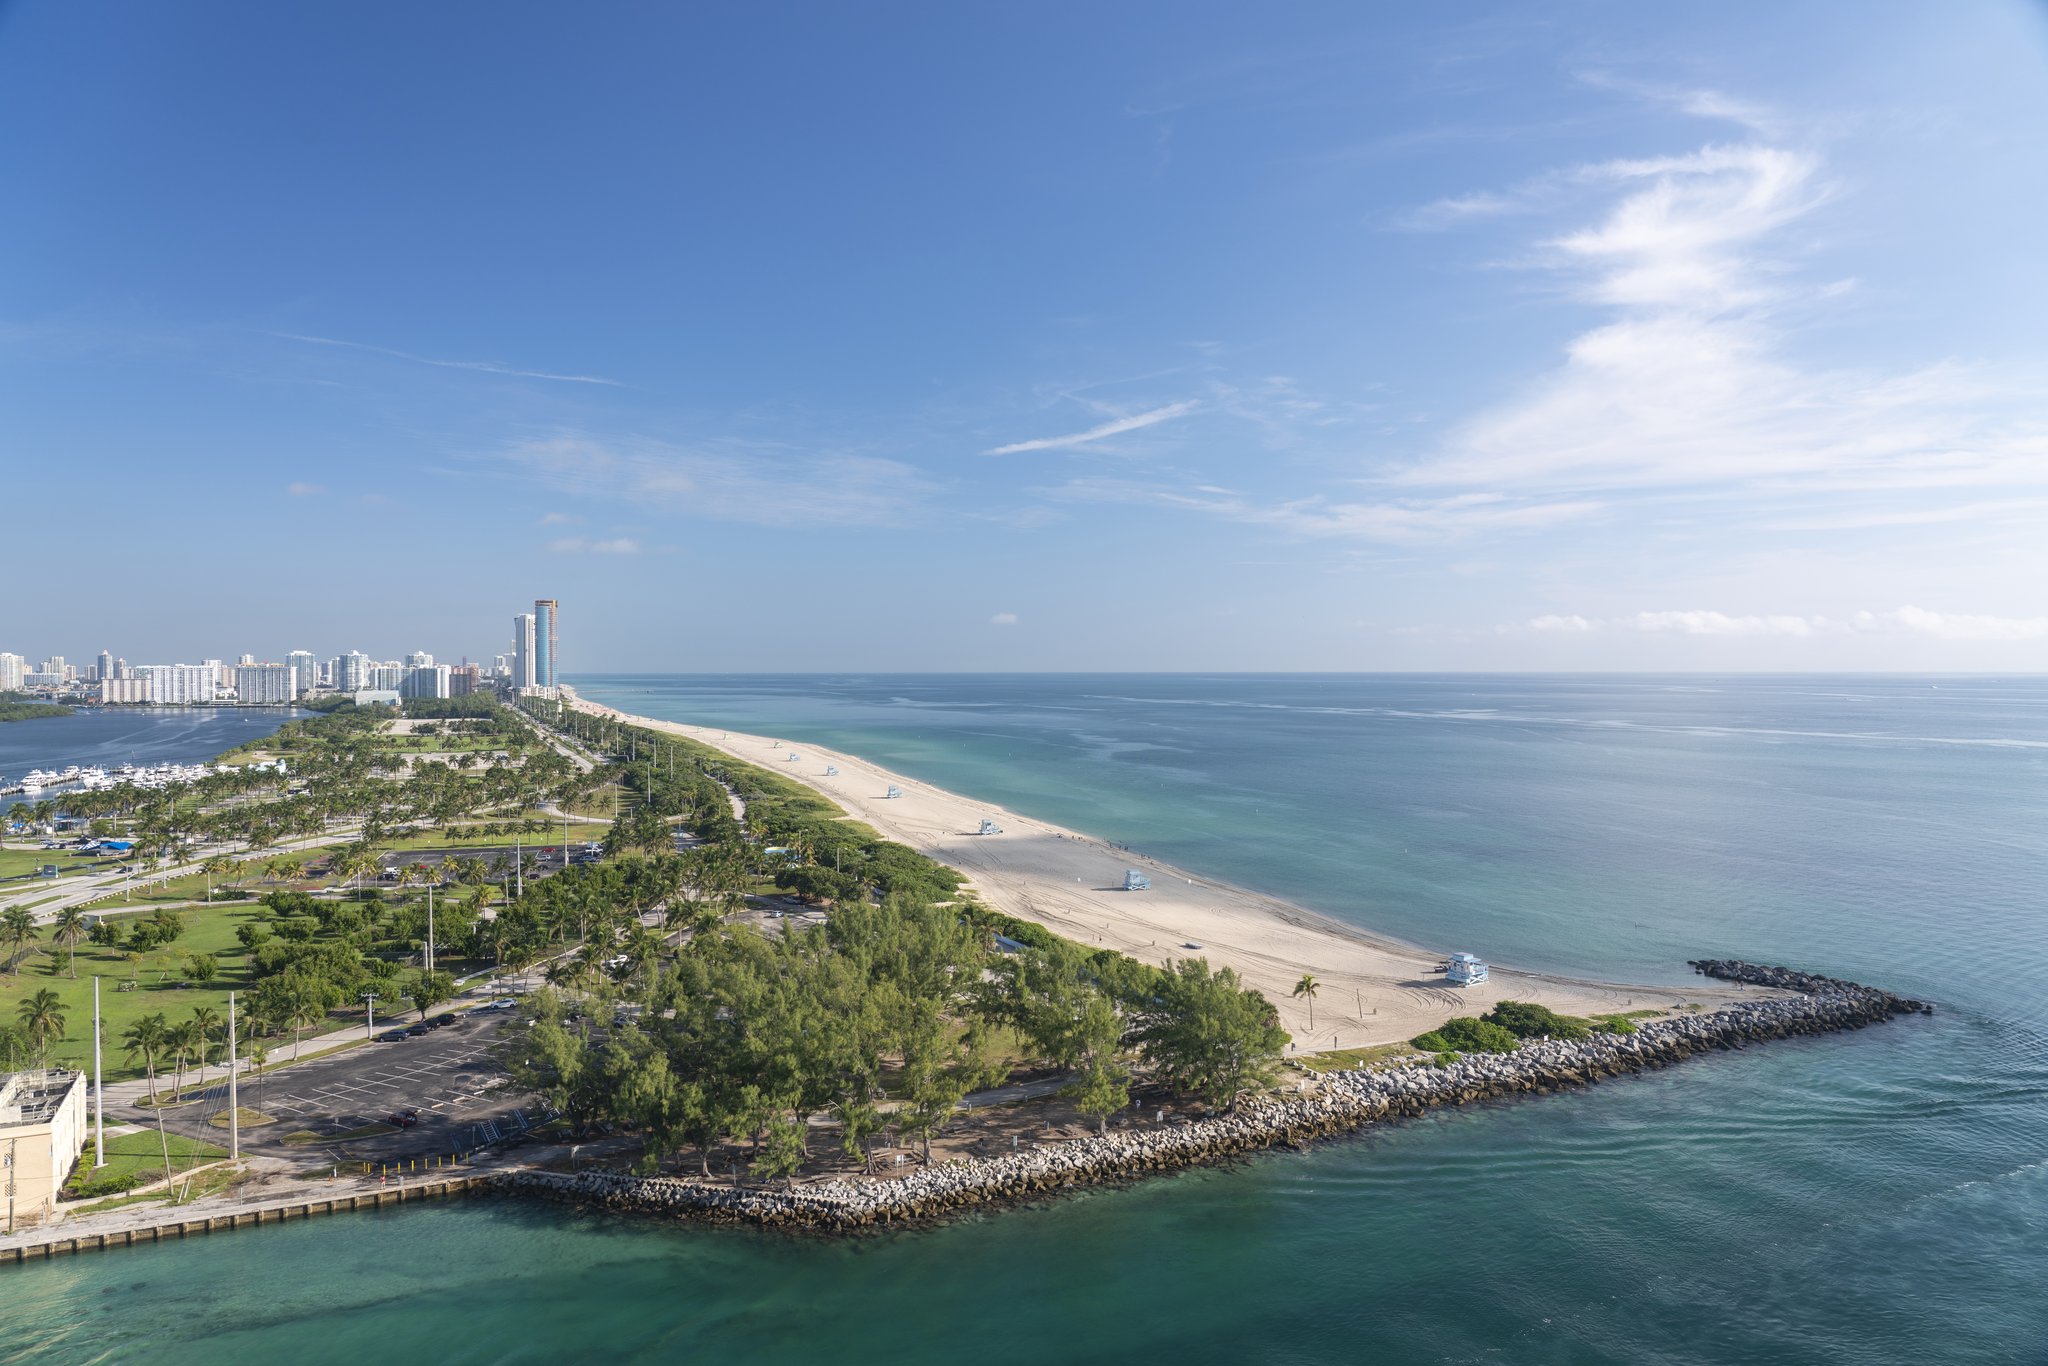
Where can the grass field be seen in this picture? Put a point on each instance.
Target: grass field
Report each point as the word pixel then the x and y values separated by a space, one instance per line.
pixel 209 929
pixel 141 1155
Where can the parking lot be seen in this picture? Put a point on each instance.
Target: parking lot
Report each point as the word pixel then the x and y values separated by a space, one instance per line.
pixel 449 1077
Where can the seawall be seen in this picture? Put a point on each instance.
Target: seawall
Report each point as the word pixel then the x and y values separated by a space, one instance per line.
pixel 1340 1103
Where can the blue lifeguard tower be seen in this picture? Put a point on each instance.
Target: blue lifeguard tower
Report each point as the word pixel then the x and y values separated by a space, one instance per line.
pixel 989 827
pixel 1135 881
pixel 894 791
pixel 1464 969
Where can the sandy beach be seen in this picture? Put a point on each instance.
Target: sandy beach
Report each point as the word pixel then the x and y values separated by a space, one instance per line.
pixel 1372 990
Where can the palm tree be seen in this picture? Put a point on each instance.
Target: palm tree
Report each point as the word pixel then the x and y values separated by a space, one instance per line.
pixel 42 1019
pixel 181 1039
pixel 207 1021
pixel 70 928
pixel 17 931
pixel 1308 986
pixel 146 1037
pixel 220 865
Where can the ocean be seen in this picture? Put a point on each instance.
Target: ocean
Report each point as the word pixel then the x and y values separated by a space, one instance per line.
pixel 1872 1197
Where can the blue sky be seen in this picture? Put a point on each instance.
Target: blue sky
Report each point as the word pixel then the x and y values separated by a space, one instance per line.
pixel 1325 336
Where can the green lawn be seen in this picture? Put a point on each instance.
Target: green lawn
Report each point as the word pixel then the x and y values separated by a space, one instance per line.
pixel 209 929
pixel 141 1155
pixel 16 861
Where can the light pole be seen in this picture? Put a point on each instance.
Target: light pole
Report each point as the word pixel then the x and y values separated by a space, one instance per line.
pixel 369 1013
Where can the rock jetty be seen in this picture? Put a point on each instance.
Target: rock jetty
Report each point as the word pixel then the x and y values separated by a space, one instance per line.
pixel 1336 1103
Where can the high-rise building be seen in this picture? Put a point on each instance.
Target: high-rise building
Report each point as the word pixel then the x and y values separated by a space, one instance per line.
pixel 263 685
pixel 121 669
pixel 523 663
pixel 55 665
pixel 305 672
pixel 464 679
pixel 223 674
pixel 106 669
pixel 182 685
pixel 245 661
pixel 384 677
pixel 545 612
pixel 428 680
pixel 419 659
pixel 352 672
pixel 12 668
pixel 114 691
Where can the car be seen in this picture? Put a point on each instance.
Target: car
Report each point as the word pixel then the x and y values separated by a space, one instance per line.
pixel 394 1036
pixel 417 1030
pixel 445 1018
pixel 401 1119
pixel 503 1003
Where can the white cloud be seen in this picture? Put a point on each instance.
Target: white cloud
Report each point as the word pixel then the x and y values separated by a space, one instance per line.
pixel 482 366
pixel 1003 619
pixel 1114 427
pixel 1406 520
pixel 575 545
pixel 1953 626
pixel 1688 384
pixel 557 519
pixel 297 490
pixel 765 486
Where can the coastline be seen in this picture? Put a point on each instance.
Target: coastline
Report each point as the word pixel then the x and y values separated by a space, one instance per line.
pixel 1372 989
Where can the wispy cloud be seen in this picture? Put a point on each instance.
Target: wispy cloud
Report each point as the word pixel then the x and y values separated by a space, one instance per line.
pixel 1114 427
pixel 558 519
pixel 577 545
pixel 480 366
pixel 1399 520
pixel 1003 619
pixel 299 490
pixel 1910 620
pixel 767 486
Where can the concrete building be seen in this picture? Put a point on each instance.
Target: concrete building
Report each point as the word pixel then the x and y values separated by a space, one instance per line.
pixel 263 685
pixel 465 679
pixel 121 669
pixel 351 672
pixel 372 697
pixel 106 668
pixel 182 685
pixel 305 672
pixel 42 1132
pixel 523 663
pixel 425 681
pixel 419 659
pixel 125 691
pixel 12 669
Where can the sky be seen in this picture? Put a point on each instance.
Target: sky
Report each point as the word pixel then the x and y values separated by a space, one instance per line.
pixel 936 337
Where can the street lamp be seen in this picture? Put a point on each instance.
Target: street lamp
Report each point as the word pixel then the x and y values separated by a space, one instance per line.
pixel 369 1013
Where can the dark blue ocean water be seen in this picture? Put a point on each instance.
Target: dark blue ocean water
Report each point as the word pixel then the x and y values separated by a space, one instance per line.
pixel 1876 1197
pixel 138 735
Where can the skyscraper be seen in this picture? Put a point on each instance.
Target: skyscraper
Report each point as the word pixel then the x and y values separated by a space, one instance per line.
pixel 106 669
pixel 545 613
pixel 305 671
pixel 522 652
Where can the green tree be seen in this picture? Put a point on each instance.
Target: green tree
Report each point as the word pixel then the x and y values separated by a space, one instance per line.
pixel 17 932
pixel 42 1020
pixel 146 1039
pixel 69 927
pixel 430 989
pixel 1104 1085
pixel 202 967
pixel 1307 987
pixel 1208 1034
pixel 181 1039
pixel 206 1020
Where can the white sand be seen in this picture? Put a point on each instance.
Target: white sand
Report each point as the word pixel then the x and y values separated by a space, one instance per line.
pixel 1372 990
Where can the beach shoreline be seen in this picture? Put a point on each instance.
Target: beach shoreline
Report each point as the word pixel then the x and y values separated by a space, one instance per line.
pixel 1371 989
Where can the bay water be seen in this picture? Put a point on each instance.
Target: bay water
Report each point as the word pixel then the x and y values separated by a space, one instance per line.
pixel 1872 1197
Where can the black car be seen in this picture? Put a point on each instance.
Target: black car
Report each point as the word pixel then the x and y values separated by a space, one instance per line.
pixel 393 1036
pixel 445 1018
pixel 417 1030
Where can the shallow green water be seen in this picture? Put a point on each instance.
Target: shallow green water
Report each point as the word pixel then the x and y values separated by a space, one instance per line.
pixel 1874 1197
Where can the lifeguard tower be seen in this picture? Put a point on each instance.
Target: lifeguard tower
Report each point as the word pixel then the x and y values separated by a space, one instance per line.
pixel 793 757
pixel 1135 881
pixel 1464 969
pixel 894 791
pixel 831 772
pixel 989 827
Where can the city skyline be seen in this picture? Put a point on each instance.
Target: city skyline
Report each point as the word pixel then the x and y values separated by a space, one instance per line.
pixel 1340 339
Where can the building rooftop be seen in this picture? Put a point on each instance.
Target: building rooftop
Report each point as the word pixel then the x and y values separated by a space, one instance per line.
pixel 34 1097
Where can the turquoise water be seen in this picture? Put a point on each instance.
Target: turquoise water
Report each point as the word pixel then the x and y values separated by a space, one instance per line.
pixel 1875 1197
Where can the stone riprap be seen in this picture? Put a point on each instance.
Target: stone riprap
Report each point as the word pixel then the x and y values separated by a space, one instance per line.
pixel 1336 1103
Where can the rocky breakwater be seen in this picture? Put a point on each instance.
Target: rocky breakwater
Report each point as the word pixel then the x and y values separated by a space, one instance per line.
pixel 1333 1103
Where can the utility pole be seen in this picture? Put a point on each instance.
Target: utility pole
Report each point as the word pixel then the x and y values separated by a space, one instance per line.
pixel 369 1013
pixel 519 865
pixel 234 1093
pixel 99 1095
pixel 10 1186
pixel 430 927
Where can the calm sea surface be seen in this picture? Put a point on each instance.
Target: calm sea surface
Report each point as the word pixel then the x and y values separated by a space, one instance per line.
pixel 123 735
pixel 1876 1197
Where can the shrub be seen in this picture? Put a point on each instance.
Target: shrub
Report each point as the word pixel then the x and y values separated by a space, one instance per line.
pixel 1463 1034
pixel 1616 1024
pixel 1528 1021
